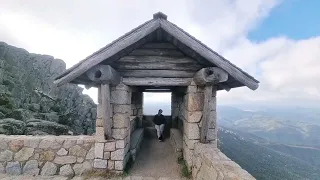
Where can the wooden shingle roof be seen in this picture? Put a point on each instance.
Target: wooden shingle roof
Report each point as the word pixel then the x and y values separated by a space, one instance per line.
pixel 133 39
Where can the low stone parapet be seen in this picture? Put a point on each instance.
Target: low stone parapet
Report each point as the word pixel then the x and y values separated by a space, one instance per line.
pixel 61 155
pixel 135 142
pixel 210 163
pixel 176 142
pixel 46 155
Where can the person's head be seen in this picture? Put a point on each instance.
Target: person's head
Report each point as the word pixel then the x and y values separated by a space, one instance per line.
pixel 160 111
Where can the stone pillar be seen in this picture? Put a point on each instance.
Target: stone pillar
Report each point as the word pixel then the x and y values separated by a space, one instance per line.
pixel 192 113
pixel 121 101
pixel 112 154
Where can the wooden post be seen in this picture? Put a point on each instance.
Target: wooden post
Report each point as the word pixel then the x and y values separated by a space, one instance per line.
pixel 105 102
pixel 205 114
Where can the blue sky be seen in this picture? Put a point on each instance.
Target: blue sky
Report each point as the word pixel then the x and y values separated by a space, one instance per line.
pixel 296 19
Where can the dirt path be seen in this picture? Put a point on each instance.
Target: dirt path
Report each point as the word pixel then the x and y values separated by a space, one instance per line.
pixel 156 159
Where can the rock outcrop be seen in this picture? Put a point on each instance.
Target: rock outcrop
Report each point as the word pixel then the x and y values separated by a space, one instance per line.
pixel 31 104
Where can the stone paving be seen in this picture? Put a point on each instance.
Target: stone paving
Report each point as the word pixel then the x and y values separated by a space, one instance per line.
pixel 156 159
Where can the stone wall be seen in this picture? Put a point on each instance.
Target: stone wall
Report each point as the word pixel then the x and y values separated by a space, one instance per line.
pixel 113 154
pixel 210 163
pixel 191 115
pixel 136 110
pixel 46 155
pixel 176 105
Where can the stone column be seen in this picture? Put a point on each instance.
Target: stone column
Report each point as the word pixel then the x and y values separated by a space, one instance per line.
pixel 192 113
pixel 112 154
pixel 121 101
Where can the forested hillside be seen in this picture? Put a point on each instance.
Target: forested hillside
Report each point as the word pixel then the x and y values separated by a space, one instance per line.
pixel 264 163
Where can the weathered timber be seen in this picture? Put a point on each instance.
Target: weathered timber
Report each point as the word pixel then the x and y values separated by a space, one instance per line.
pixel 157 90
pixel 160 15
pixel 159 35
pixel 208 54
pixel 225 87
pixel 158 46
pixel 99 95
pixel 157 73
pixel 104 74
pixel 157 52
pixel 210 76
pixel 156 66
pixel 88 86
pixel 157 81
pixel 206 113
pixel 148 32
pixel 105 102
pixel 156 59
pixel 123 42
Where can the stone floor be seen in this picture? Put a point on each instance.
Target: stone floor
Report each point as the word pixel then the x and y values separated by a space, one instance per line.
pixel 156 159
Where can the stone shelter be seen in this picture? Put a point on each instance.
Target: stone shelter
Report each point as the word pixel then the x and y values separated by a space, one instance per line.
pixel 157 56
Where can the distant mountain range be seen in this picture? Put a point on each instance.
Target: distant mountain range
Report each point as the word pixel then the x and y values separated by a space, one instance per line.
pixel 266 161
pixel 294 126
pixel 272 142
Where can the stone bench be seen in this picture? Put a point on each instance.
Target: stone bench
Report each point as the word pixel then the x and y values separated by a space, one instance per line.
pixel 151 132
pixel 176 142
pixel 135 142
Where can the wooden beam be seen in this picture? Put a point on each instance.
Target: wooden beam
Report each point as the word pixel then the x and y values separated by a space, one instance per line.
pixel 157 81
pixel 225 87
pixel 156 52
pixel 104 74
pixel 159 34
pixel 205 114
pixel 156 66
pixel 157 73
pixel 105 102
pixel 157 90
pixel 158 46
pixel 210 76
pixel 156 59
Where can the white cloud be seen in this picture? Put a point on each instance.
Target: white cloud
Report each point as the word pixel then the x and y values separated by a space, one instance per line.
pixel 71 30
pixel 288 70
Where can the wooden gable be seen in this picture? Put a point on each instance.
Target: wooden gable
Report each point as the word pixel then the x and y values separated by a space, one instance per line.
pixel 157 49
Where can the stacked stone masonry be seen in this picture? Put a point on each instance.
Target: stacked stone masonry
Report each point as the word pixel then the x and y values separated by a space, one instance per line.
pixel 113 154
pixel 190 113
pixel 136 110
pixel 210 163
pixel 176 105
pixel 46 155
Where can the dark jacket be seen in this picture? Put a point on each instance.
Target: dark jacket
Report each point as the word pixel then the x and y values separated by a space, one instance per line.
pixel 159 119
